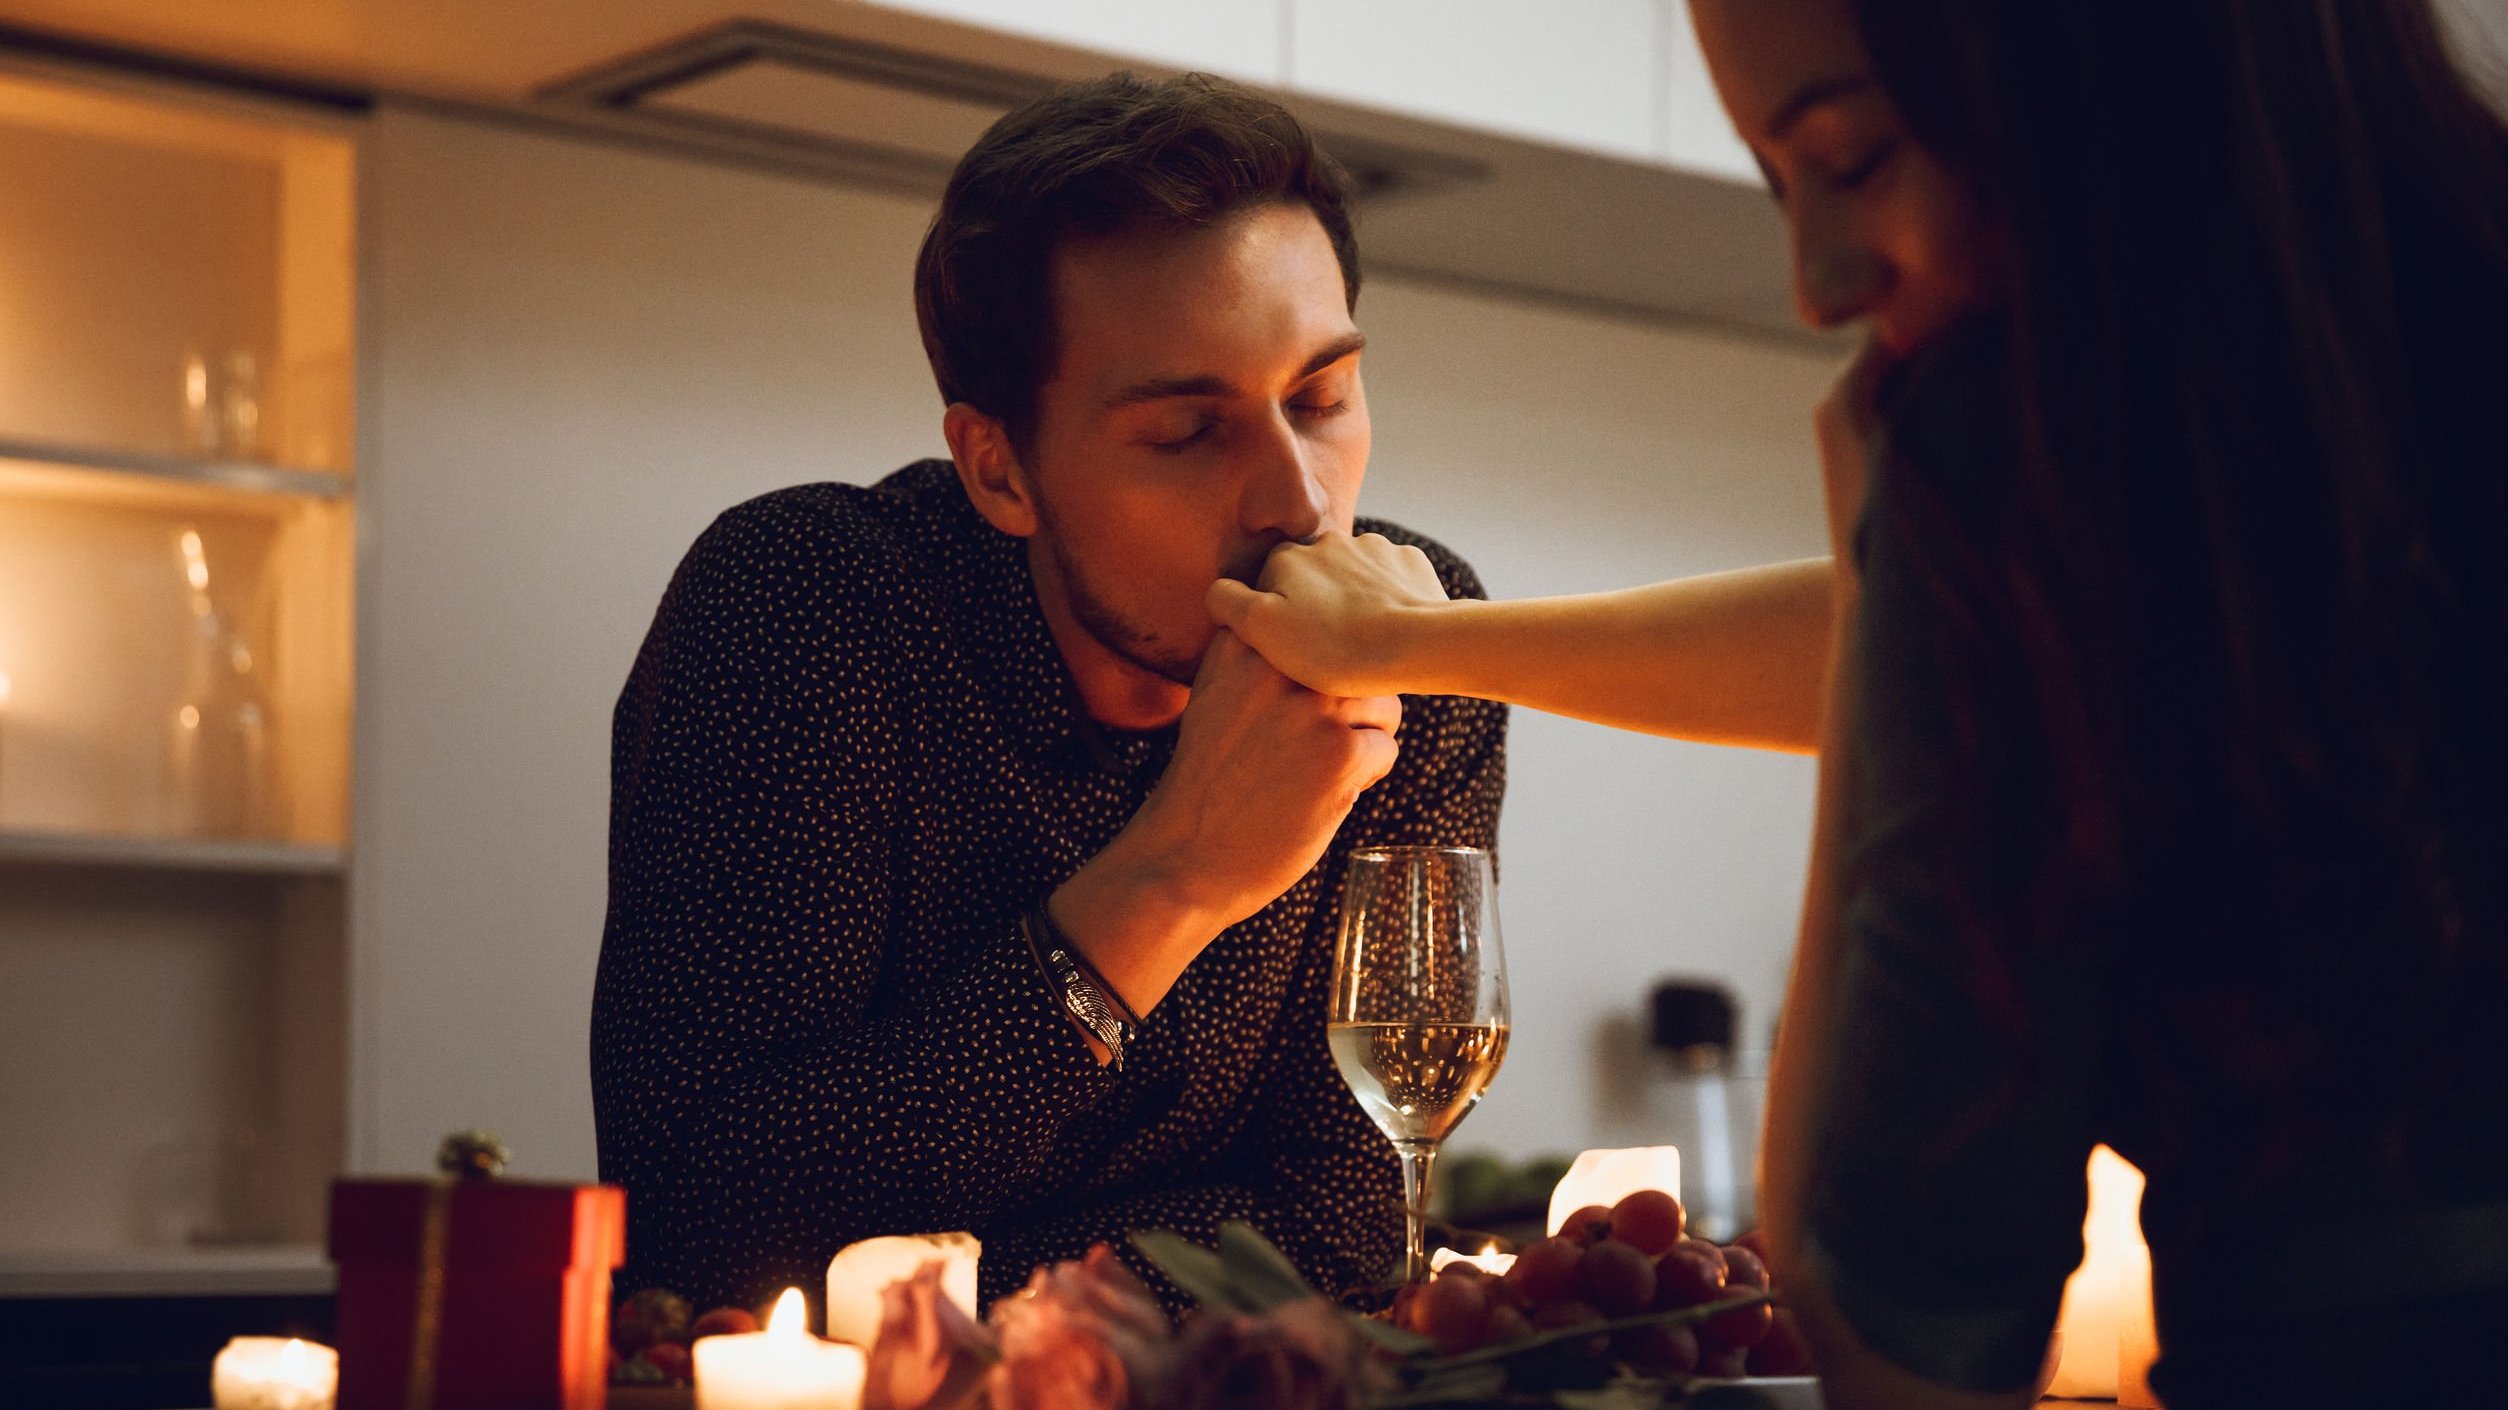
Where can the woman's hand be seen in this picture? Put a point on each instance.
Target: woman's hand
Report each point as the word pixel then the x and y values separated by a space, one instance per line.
pixel 1332 614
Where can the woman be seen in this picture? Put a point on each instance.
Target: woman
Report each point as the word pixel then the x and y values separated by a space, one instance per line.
pixel 2165 799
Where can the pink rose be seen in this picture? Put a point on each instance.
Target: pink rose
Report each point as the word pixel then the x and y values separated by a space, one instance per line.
pixel 929 1355
pixel 1299 1356
pixel 1084 1335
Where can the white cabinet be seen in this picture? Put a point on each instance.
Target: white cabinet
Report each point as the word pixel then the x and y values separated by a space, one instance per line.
pixel 1578 73
pixel 1238 38
pixel 177 543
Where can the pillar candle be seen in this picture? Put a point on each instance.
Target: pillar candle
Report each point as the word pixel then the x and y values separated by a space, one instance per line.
pixel 1606 1177
pixel 274 1373
pixel 781 1368
pixel 861 1272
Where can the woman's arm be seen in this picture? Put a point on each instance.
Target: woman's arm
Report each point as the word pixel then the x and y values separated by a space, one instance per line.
pixel 1727 658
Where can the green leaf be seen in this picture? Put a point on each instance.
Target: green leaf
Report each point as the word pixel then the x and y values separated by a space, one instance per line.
pixel 1259 1270
pixel 1195 1269
pixel 1391 1337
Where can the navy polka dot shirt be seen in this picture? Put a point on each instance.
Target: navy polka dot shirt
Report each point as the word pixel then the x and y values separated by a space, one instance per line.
pixel 847 760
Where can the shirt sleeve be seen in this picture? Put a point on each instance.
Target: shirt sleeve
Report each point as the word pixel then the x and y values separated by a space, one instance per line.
pixel 1310 1170
pixel 1947 1189
pixel 750 1095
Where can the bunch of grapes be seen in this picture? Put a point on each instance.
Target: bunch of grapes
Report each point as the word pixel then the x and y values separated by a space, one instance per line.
pixel 1604 1264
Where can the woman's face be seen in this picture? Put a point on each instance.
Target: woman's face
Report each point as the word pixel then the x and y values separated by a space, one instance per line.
pixel 1881 230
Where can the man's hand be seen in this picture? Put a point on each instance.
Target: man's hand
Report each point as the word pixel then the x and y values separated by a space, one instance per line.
pixel 1330 614
pixel 1263 774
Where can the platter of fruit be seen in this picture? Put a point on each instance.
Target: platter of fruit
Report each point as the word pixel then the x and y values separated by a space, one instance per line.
pixel 1623 1295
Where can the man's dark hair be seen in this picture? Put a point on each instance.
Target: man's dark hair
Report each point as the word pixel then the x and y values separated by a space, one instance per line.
pixel 1109 156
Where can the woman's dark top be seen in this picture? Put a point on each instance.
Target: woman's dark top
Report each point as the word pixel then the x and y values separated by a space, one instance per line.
pixel 848 760
pixel 1973 1070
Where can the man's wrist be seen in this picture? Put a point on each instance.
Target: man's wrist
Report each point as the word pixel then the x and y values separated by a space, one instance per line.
pixel 1131 916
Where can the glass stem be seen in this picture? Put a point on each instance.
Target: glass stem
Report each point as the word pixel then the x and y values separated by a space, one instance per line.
pixel 1417 1157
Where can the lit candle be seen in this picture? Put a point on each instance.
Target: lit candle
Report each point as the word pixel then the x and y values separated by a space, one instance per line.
pixel 2109 1344
pixel 1607 1177
pixel 781 1368
pixel 1488 1260
pixel 274 1373
pixel 860 1273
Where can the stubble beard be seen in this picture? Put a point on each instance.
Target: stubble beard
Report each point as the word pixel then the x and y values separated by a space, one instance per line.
pixel 1109 628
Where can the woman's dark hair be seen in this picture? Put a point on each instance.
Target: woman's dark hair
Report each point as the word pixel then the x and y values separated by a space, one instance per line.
pixel 2253 547
pixel 1109 156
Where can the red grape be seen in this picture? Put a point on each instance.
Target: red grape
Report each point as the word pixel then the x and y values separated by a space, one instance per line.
pixel 1745 1269
pixel 1687 1276
pixel 1783 1352
pixel 1506 1323
pixel 1574 1313
pixel 1406 1306
pixel 1740 1327
pixel 1617 1278
pixel 1658 1350
pixel 1650 1219
pixel 723 1321
pixel 1452 1311
pixel 1590 1225
pixel 1544 1272
pixel 669 1358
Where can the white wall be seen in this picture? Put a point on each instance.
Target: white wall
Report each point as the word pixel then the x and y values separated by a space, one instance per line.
pixel 578 355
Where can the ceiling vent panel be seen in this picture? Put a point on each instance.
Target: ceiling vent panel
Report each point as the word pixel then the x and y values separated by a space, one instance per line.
pixel 867 112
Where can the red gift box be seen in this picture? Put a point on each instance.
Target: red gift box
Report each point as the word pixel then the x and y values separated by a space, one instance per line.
pixel 495 1293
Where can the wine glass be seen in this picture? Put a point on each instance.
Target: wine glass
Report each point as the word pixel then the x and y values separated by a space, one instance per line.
pixel 1419 1003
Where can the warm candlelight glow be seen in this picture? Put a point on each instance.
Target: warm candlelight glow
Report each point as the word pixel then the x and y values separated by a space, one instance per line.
pixel 859 1273
pixel 4 690
pixel 781 1368
pixel 273 1373
pixel 2109 1343
pixel 1488 1260
pixel 195 563
pixel 1607 1177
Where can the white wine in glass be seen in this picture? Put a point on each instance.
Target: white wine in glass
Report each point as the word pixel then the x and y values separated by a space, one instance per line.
pixel 1419 1003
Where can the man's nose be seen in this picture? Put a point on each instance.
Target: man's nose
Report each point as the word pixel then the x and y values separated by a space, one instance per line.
pixel 1837 275
pixel 1283 494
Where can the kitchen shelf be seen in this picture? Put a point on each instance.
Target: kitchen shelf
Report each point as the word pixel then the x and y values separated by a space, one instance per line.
pixel 271 1270
pixel 184 854
pixel 246 476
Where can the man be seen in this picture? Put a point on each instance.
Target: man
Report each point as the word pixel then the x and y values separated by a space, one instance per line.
pixel 962 874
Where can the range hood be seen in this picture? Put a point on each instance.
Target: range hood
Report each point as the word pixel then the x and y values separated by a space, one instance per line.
pixel 862 111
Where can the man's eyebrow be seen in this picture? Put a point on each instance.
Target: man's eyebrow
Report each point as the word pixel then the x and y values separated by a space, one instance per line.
pixel 1208 385
pixel 1812 95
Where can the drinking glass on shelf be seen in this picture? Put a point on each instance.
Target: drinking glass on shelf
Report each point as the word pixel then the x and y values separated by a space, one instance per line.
pixel 1419 1003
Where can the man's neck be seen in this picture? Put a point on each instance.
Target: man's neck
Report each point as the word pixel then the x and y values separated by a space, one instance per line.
pixel 1114 691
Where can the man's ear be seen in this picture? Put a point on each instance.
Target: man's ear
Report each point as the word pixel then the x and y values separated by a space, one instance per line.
pixel 996 483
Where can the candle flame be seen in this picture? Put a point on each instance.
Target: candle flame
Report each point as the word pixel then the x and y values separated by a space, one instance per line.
pixel 293 1362
pixel 790 1321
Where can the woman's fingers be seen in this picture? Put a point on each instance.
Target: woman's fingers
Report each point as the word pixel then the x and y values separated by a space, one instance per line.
pixel 1231 603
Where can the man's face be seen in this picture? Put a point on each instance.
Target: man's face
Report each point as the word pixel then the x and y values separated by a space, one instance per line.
pixel 1205 407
